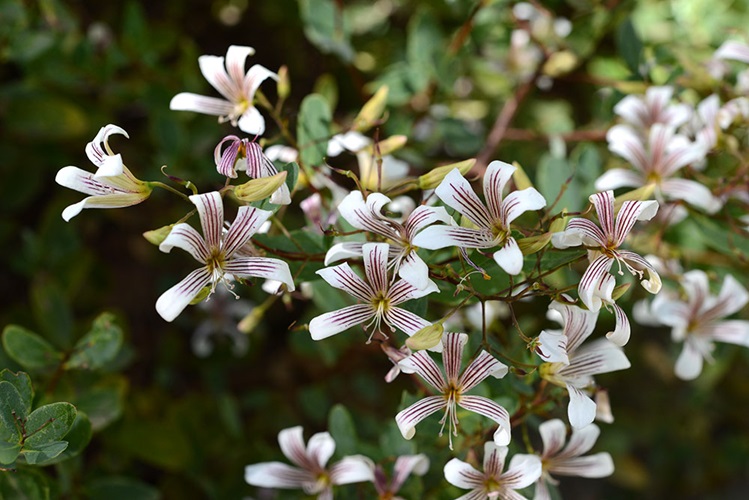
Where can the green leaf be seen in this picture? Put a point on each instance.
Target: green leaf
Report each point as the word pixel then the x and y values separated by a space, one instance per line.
pixel 44 452
pixel 120 488
pixel 49 423
pixel 341 427
pixel 292 174
pixel 551 178
pixel 12 409
pixel 24 484
pixel 99 346
pixel 52 312
pixel 77 438
pixel 9 452
pixel 22 383
pixel 326 27
pixel 103 402
pixel 313 130
pixel 29 349
pixel 629 45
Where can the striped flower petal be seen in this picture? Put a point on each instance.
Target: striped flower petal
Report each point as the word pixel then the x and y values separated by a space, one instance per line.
pixel 244 227
pixel 185 237
pixel 187 101
pixel 172 302
pixel 261 267
pixel 211 212
pixel 494 411
pixel 457 193
pixel 408 418
pixel 330 323
pixel 484 366
pixel 496 177
pixel 344 278
pixel 437 236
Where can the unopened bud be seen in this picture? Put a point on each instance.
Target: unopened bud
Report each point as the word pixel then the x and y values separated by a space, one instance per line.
pixel 560 63
pixel 283 86
pixel 372 110
pixel 432 179
pixel 387 146
pixel 250 322
pixel 534 244
pixel 157 236
pixel 521 179
pixel 259 189
pixel 558 225
pixel 426 338
pixel 620 290
pixel 639 194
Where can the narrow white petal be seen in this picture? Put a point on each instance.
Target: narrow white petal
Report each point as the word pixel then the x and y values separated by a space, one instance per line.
pixel 256 75
pixel 553 435
pixel 490 409
pixel 733 50
pixel 276 475
pixel 352 469
pixel 187 101
pixel 689 363
pixel 405 465
pixel 411 416
pixel 236 56
pixel 341 251
pixel 211 211
pixel 523 471
pixel 732 298
pixel 618 177
pixel 375 256
pixel 422 216
pixel 604 205
pixel 245 225
pixel 631 212
pixel 422 364
pixel 173 301
pixel 732 332
pixel 578 323
pixel 320 448
pixel 366 214
pixel 484 366
pixel 414 271
pixel 252 122
pixel 330 323
pixel 582 410
pixel 651 280
pixel 598 356
pixel 621 332
pixel 519 202
pixel 214 71
pixel 405 320
pixel 463 475
pixel 579 232
pixel 594 286
pixel 592 466
pixel 457 193
pixel 344 278
pixel 291 442
pixel 553 347
pixel 692 192
pixel 496 177
pixel 509 257
pixel 402 291
pixel 436 237
pixel 494 459
pixel 261 267
pixel 111 166
pixel 625 142
pixel 582 441
pixel 185 237
pixel 350 141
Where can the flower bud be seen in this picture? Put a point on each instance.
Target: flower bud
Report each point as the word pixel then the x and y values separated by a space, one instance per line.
pixel 387 146
pixel 521 179
pixel 259 189
pixel 426 338
pixel 157 236
pixel 432 179
pixel 283 86
pixel 372 110
pixel 534 243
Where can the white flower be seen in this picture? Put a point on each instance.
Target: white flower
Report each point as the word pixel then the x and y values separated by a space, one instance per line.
pixel 569 461
pixel 655 107
pixel 657 162
pixel 405 465
pixel 523 471
pixel 367 215
pixel 698 320
pixel 219 252
pixel 493 223
pixel 597 285
pixel 237 87
pixel 379 295
pixel 453 387
pixel 112 186
pixel 571 365
pixel 310 473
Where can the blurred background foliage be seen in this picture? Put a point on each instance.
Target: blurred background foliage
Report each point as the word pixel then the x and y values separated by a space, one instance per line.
pixel 177 420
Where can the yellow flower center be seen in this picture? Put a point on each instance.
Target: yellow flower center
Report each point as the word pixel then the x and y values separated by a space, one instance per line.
pixel 548 371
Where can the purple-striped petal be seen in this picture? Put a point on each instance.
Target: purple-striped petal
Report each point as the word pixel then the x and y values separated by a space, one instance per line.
pixel 733 50
pixel 375 256
pixel 172 302
pixel 457 193
pixel 452 354
pixel 404 466
pixel 214 71
pixel 496 177
pixel 341 251
pixel 333 322
pixel 625 142
pixel 98 150
pixel 211 211
pixel 344 278
pixel 185 237
pixel 631 212
pixel 581 441
pixel 552 347
pixel 578 323
pixel 494 459
pixel 519 202
pixel 651 280
pixel 592 466
pixel 617 178
pixel 367 214
pixel 291 442
pixel 732 298
pixel 413 270
pixel 407 321
pixel 402 291
pixel 579 232
pixel 594 286
pixel 245 225
pixel 692 192
pixel 621 332
pixel 437 236
pixel 484 366
pixel 582 410
pixel 411 416
pixel 463 475
pixel 488 408
pixel 256 75
pixel 523 471
pixel 261 267
pixel 423 365
pixel 276 475
pixel 320 448
pixel 236 56
pixel 604 205
pixel 599 356
pixel 352 469
pixel 553 435
pixel 423 216
pixel 187 101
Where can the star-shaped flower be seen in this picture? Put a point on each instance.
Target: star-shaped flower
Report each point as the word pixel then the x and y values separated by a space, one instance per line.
pixel 492 220
pixel 452 388
pixel 112 186
pixel 310 473
pixel 379 295
pixel 698 320
pixel 571 365
pixel 568 461
pixel 237 87
pixel 655 107
pixel 603 244
pixel 219 252
pixel 367 215
pixel 492 482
